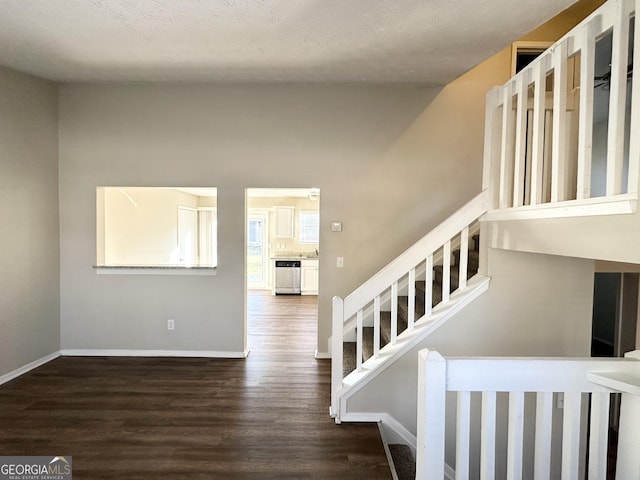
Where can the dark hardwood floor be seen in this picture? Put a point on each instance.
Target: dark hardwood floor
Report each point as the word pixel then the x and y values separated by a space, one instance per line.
pixel 264 417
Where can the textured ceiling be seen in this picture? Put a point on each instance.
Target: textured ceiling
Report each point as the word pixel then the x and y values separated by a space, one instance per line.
pixel 337 41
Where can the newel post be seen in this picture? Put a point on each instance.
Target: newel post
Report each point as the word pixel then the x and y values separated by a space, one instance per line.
pixel 628 464
pixel 491 157
pixel 337 323
pixel 432 384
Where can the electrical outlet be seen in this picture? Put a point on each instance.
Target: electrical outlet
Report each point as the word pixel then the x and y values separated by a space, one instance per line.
pixel 171 325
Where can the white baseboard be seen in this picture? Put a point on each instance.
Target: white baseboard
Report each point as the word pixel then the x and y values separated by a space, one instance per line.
pixel 322 355
pixel 151 353
pixel 7 377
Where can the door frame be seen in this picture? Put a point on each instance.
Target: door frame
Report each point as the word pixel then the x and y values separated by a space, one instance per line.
pixel 263 214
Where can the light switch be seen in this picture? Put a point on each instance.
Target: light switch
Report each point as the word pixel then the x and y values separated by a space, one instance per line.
pixel 336 226
pixel 340 262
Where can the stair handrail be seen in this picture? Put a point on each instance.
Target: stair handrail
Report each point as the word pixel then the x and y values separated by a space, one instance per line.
pixel 427 245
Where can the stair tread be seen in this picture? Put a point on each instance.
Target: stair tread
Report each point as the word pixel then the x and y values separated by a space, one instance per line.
pixel 348 358
pixel 403 461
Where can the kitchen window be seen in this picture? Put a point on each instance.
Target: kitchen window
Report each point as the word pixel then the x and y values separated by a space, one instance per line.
pixel 309 222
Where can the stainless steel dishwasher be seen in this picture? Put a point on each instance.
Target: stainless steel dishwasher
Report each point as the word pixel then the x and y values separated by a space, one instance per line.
pixel 288 277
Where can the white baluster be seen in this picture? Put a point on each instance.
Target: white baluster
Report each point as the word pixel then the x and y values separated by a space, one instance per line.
pixel 617 100
pixel 599 436
pixel 411 298
pixel 506 151
pixel 558 149
pixel 359 339
pixel 376 326
pixel 585 125
pixel 522 84
pixel 634 147
pixel 544 416
pixel 446 271
pixel 571 436
pixel 515 435
pixel 428 286
pixel 394 312
pixel 488 437
pixel 463 434
pixel 537 143
pixel 463 268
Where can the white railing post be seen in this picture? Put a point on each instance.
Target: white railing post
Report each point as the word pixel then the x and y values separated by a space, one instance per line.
pixel 537 147
pixel 585 122
pixel 432 372
pixel 522 84
pixel 634 147
pixel 617 99
pixel 506 150
pixel 491 157
pixel 336 354
pixel 628 462
pixel 559 141
pixel 488 437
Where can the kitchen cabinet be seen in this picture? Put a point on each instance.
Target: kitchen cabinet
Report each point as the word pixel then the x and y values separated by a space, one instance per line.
pixel 309 277
pixel 283 217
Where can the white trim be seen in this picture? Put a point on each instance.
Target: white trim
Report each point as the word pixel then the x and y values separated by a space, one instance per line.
pixel 7 377
pixel 616 205
pixel 151 353
pixel 322 355
pixel 121 270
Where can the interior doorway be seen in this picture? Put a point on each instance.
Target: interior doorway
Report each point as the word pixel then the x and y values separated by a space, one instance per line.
pixel 615 313
pixel 282 231
pixel 614 327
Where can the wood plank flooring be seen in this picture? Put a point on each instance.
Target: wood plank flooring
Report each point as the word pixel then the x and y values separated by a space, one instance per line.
pixel 264 417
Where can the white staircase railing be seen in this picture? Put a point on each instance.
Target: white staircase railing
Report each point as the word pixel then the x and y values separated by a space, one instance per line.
pixel 382 290
pixel 552 383
pixel 544 124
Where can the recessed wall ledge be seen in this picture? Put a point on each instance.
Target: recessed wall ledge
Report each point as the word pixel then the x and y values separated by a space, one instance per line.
pixel 614 205
pixel 153 270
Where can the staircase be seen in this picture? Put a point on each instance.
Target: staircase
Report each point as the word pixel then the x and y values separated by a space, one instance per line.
pixel 385 335
pixel 404 302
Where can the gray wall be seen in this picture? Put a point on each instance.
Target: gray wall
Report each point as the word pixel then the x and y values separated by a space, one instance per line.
pixel 362 146
pixel 372 151
pixel 29 244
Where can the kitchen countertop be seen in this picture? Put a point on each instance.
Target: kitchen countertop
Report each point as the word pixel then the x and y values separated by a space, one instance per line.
pixel 294 256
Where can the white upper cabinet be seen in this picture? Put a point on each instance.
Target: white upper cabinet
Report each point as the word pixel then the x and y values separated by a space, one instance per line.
pixel 283 222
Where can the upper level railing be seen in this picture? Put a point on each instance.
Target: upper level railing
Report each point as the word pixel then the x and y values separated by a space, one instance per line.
pixel 559 132
pixel 551 395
